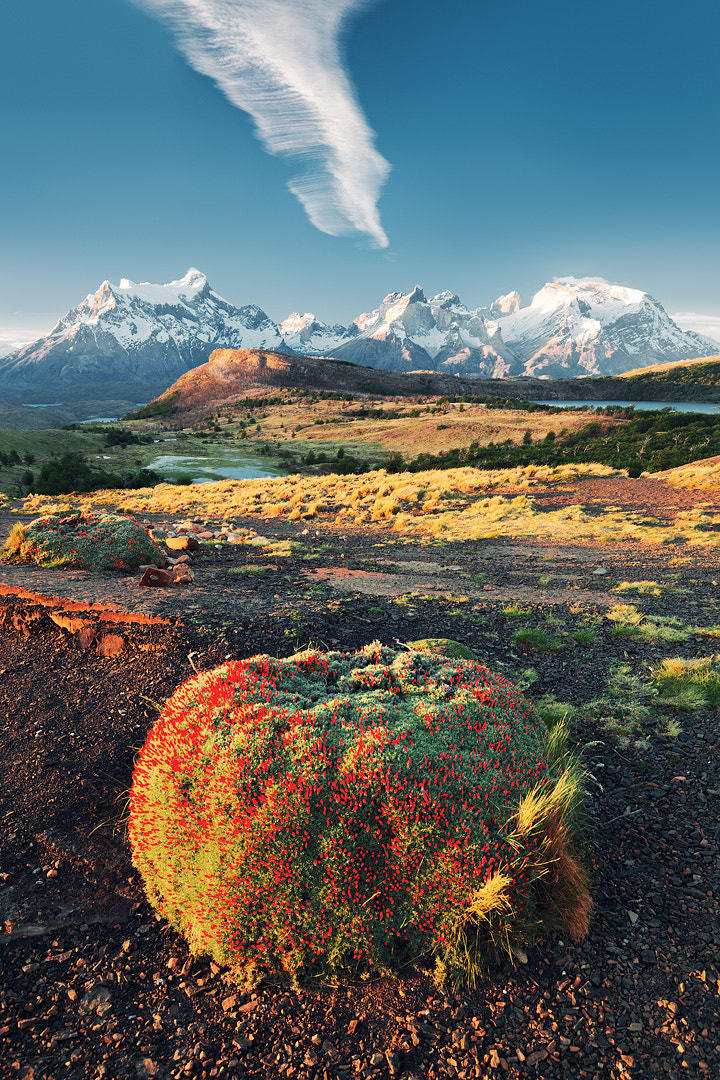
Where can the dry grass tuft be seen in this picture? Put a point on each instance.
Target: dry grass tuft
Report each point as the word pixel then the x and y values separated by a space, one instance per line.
pixel 561 884
pixel 703 475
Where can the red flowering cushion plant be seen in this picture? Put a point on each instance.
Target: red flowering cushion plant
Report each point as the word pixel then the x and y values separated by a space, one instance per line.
pixel 339 812
pixel 86 541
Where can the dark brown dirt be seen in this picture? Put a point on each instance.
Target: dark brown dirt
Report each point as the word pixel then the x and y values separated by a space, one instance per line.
pixel 93 985
pixel 654 497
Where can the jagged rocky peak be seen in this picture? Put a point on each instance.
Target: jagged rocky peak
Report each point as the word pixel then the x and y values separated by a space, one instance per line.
pixel 505 305
pixel 408 332
pixel 306 333
pixel 139 332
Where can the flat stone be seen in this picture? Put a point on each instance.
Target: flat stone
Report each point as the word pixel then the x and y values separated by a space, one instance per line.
pixel 182 543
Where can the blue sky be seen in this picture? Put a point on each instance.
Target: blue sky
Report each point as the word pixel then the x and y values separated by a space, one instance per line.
pixel 525 141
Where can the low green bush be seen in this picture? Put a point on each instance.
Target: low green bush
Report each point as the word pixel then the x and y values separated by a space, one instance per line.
pixel 338 813
pixel 86 541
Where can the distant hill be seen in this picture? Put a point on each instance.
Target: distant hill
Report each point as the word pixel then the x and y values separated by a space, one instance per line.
pixel 690 380
pixel 234 375
pixel 684 380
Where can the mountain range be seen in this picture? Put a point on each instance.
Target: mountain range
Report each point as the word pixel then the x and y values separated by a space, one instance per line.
pixel 145 333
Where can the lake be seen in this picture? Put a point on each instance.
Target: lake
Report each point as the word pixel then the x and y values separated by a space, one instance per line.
pixel 678 406
pixel 223 465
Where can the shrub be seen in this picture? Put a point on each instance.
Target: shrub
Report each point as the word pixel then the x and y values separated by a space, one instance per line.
pixel 630 622
pixel 627 705
pixel 336 813
pixel 83 540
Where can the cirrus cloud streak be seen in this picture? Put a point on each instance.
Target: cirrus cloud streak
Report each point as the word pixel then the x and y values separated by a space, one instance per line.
pixel 707 325
pixel 280 61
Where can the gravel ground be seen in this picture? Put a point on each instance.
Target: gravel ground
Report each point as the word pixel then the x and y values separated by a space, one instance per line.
pixel 92 984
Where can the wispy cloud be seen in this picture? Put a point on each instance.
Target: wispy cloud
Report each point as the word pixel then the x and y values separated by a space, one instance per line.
pixel 707 325
pixel 281 62
pixel 13 337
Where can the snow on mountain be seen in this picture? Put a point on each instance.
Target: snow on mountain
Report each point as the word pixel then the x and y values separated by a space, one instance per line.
pixel 407 332
pixel 505 305
pixel 572 327
pixel 306 334
pixel 139 333
pixel 588 326
pixel 153 333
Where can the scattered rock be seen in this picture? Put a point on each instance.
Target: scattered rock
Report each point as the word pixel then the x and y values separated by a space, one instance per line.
pixel 182 574
pixel 86 637
pixel 146 1067
pixel 97 1000
pixel 67 622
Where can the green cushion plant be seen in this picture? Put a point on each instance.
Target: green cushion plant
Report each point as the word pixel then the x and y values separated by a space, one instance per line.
pixel 86 541
pixel 333 814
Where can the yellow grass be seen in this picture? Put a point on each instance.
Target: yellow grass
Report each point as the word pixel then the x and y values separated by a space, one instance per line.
pixel 703 475
pixel 451 504
pixel 490 898
pixel 438 427
pixel 659 369
pixel 643 588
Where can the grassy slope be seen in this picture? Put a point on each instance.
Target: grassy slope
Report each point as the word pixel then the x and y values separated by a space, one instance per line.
pixel 673 368
pixel 437 428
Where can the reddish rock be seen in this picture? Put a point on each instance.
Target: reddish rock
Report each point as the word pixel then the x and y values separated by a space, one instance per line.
pixel 111 645
pixel 86 636
pixel 182 574
pixel 156 578
pixel 25 621
pixel 66 622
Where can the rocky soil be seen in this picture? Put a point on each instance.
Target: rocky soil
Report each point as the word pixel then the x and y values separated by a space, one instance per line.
pixel 93 985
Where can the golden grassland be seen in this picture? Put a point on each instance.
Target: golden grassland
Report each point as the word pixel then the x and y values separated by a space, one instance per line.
pixel 660 369
pixel 437 427
pixel 703 475
pixel 449 504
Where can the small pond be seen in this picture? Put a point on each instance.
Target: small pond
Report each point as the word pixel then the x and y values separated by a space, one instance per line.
pixel 222 465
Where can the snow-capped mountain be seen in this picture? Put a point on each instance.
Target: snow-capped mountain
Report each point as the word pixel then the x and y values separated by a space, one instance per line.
pixel 409 333
pixel 587 326
pixel 306 334
pixel 148 333
pixel 139 333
